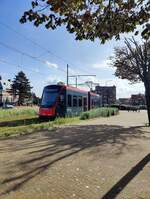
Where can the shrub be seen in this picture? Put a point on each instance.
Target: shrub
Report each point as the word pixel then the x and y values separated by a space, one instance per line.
pixel 85 116
pixel 99 112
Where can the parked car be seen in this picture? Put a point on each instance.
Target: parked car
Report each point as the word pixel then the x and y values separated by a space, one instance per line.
pixel 8 106
pixel 143 107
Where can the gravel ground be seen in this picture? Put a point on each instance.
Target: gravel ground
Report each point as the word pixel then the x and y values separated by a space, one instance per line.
pixel 103 158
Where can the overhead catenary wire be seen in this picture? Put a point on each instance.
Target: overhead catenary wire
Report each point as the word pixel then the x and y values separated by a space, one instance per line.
pixel 40 46
pixel 31 40
pixel 32 70
pixel 31 56
pixel 21 67
pixel 27 54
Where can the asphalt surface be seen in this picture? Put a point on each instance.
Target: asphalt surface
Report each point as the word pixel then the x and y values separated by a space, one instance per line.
pixel 103 158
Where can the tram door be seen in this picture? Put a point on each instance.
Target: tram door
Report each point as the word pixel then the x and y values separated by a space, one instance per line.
pixel 60 110
pixel 84 103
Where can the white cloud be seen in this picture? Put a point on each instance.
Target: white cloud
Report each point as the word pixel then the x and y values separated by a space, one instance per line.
pixel 53 80
pixel 103 65
pixel 51 65
pixel 124 88
pixel 92 78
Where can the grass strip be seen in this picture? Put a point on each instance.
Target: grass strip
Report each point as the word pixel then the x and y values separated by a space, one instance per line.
pixel 22 121
pixel 26 129
pixel 18 113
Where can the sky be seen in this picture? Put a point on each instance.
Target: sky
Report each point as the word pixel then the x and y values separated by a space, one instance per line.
pixel 44 54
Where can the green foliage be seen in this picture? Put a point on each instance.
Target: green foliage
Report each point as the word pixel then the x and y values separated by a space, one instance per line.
pixel 99 112
pixel 21 88
pixel 60 83
pixel 35 99
pixel 22 121
pixel 17 113
pixel 92 19
pixel 65 120
pixel 85 116
pixel 25 120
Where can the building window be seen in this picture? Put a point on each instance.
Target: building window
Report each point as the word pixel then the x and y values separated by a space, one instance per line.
pixel 74 100
pixel 80 101
pixel 69 100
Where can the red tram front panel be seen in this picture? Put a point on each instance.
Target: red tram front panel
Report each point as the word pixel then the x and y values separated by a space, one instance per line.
pixel 47 111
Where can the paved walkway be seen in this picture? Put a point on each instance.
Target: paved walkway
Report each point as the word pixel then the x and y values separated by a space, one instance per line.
pixel 103 158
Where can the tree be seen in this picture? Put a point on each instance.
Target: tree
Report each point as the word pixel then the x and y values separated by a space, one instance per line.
pixel 132 62
pixel 60 83
pixel 90 19
pixel 21 88
pixel 35 99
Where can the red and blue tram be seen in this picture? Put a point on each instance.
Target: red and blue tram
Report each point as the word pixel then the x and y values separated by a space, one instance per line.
pixel 61 101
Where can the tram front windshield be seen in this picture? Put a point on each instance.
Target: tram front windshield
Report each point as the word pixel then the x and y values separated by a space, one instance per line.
pixel 49 97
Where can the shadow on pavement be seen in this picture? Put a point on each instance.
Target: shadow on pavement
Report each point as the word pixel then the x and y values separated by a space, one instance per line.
pixel 121 184
pixel 44 149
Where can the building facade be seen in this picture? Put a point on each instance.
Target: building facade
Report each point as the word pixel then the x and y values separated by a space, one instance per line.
pixel 5 95
pixel 108 94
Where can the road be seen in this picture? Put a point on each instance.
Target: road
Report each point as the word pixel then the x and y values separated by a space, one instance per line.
pixel 103 158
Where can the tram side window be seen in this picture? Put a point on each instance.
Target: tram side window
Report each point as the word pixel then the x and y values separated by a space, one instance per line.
pixel 74 100
pixel 85 104
pixel 69 100
pixel 80 101
pixel 93 102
